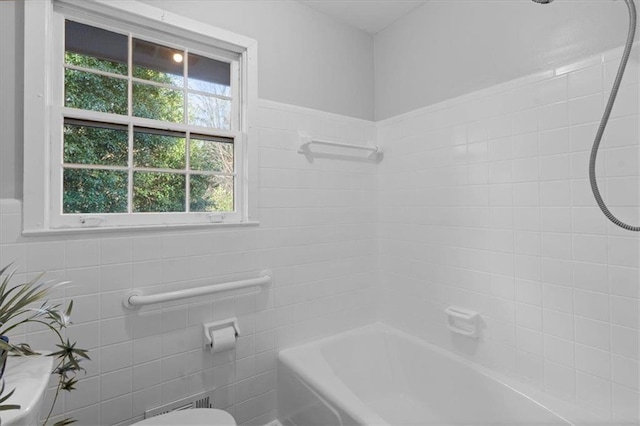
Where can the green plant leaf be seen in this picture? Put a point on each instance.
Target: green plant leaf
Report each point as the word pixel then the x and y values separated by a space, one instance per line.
pixel 16 309
pixel 64 422
pixel 7 407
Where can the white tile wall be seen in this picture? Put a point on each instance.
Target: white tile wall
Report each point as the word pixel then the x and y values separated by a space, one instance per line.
pixel 484 202
pixel 317 234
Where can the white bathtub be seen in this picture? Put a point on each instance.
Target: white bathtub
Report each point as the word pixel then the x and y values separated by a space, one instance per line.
pixel 377 375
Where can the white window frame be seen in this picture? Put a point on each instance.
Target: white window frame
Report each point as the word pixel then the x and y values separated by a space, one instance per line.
pixel 44 113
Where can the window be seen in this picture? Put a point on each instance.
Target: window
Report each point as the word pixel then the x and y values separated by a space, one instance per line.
pixel 145 125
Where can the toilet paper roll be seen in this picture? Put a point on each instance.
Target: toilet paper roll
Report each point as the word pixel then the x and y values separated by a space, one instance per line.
pixel 223 339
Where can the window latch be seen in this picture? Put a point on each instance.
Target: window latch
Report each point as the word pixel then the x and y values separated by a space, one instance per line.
pixel 216 218
pixel 91 221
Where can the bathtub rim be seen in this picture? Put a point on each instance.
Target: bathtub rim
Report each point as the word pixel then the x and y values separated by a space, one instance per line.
pixel 323 380
pixel 326 382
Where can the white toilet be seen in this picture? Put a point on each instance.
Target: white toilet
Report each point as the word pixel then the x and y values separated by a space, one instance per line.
pixel 30 375
pixel 191 417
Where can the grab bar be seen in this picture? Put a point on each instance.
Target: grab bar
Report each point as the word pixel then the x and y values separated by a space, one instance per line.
pixel 136 298
pixel 307 141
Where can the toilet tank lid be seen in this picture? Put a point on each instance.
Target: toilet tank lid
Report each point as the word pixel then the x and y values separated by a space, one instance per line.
pixel 29 376
pixel 192 417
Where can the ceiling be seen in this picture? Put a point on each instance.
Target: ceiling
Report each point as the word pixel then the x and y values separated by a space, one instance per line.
pixel 371 16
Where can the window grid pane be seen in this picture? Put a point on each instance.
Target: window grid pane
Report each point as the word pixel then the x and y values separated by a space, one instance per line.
pixel 165 171
pixel 94 191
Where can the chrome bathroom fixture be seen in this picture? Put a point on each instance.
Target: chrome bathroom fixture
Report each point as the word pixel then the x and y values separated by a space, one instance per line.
pixel 605 117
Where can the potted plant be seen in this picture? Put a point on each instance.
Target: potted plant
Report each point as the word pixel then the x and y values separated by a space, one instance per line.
pixel 28 302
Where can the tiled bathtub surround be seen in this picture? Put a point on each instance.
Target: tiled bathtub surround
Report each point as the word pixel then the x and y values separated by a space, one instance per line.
pixel 317 234
pixel 484 202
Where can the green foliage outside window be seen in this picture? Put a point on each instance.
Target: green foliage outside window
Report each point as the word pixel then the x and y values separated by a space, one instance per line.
pixel 106 191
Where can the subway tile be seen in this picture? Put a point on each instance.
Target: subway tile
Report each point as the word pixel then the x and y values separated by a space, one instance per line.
pixel 557 246
pixel 116 277
pixel 555 219
pixel 559 380
pixel 590 276
pixel 586 81
pixel 622 191
pixel 556 194
pixel 585 110
pixel 554 142
pixel 116 250
pixel 45 256
pixel 593 333
pixel 142 400
pixel 591 304
pixel 580 163
pixel 593 392
pixel 525 146
pixel 621 132
pixel 82 281
pixel 558 324
pixel 486 202
pixel 622 161
pixel 626 405
pixel 593 361
pixel 529 292
pixel 610 68
pixel 10 228
pixel 115 330
pixel 626 102
pixel 588 220
pixel 559 351
pixel 554 167
pixel 116 410
pixel 553 90
pixel 625 311
pixel 525 121
pixel 115 357
pixel 529 341
pixel 115 384
pixel 624 251
pixel 87 393
pixel 526 194
pixel 529 316
pixel 531 367
pixel 624 341
pixel 500 149
pixel 557 271
pixel 623 281
pixel 553 116
pixel 590 248
pixel 625 372
pixel 82 253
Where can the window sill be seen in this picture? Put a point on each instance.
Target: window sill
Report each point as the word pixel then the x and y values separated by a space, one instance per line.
pixel 134 229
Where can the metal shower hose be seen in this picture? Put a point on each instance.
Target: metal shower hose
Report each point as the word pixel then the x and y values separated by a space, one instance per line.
pixel 605 120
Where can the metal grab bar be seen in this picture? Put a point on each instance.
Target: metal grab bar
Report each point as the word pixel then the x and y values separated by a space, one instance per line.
pixel 306 141
pixel 136 298
pixel 339 144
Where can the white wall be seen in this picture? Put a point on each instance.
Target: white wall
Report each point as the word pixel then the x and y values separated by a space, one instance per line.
pixel 10 100
pixel 317 234
pixel 485 203
pixel 448 48
pixel 305 59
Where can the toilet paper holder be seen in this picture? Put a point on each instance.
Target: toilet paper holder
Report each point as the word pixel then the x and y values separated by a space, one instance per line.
pixel 210 327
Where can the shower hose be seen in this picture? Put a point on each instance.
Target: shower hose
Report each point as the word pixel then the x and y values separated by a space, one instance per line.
pixel 605 119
